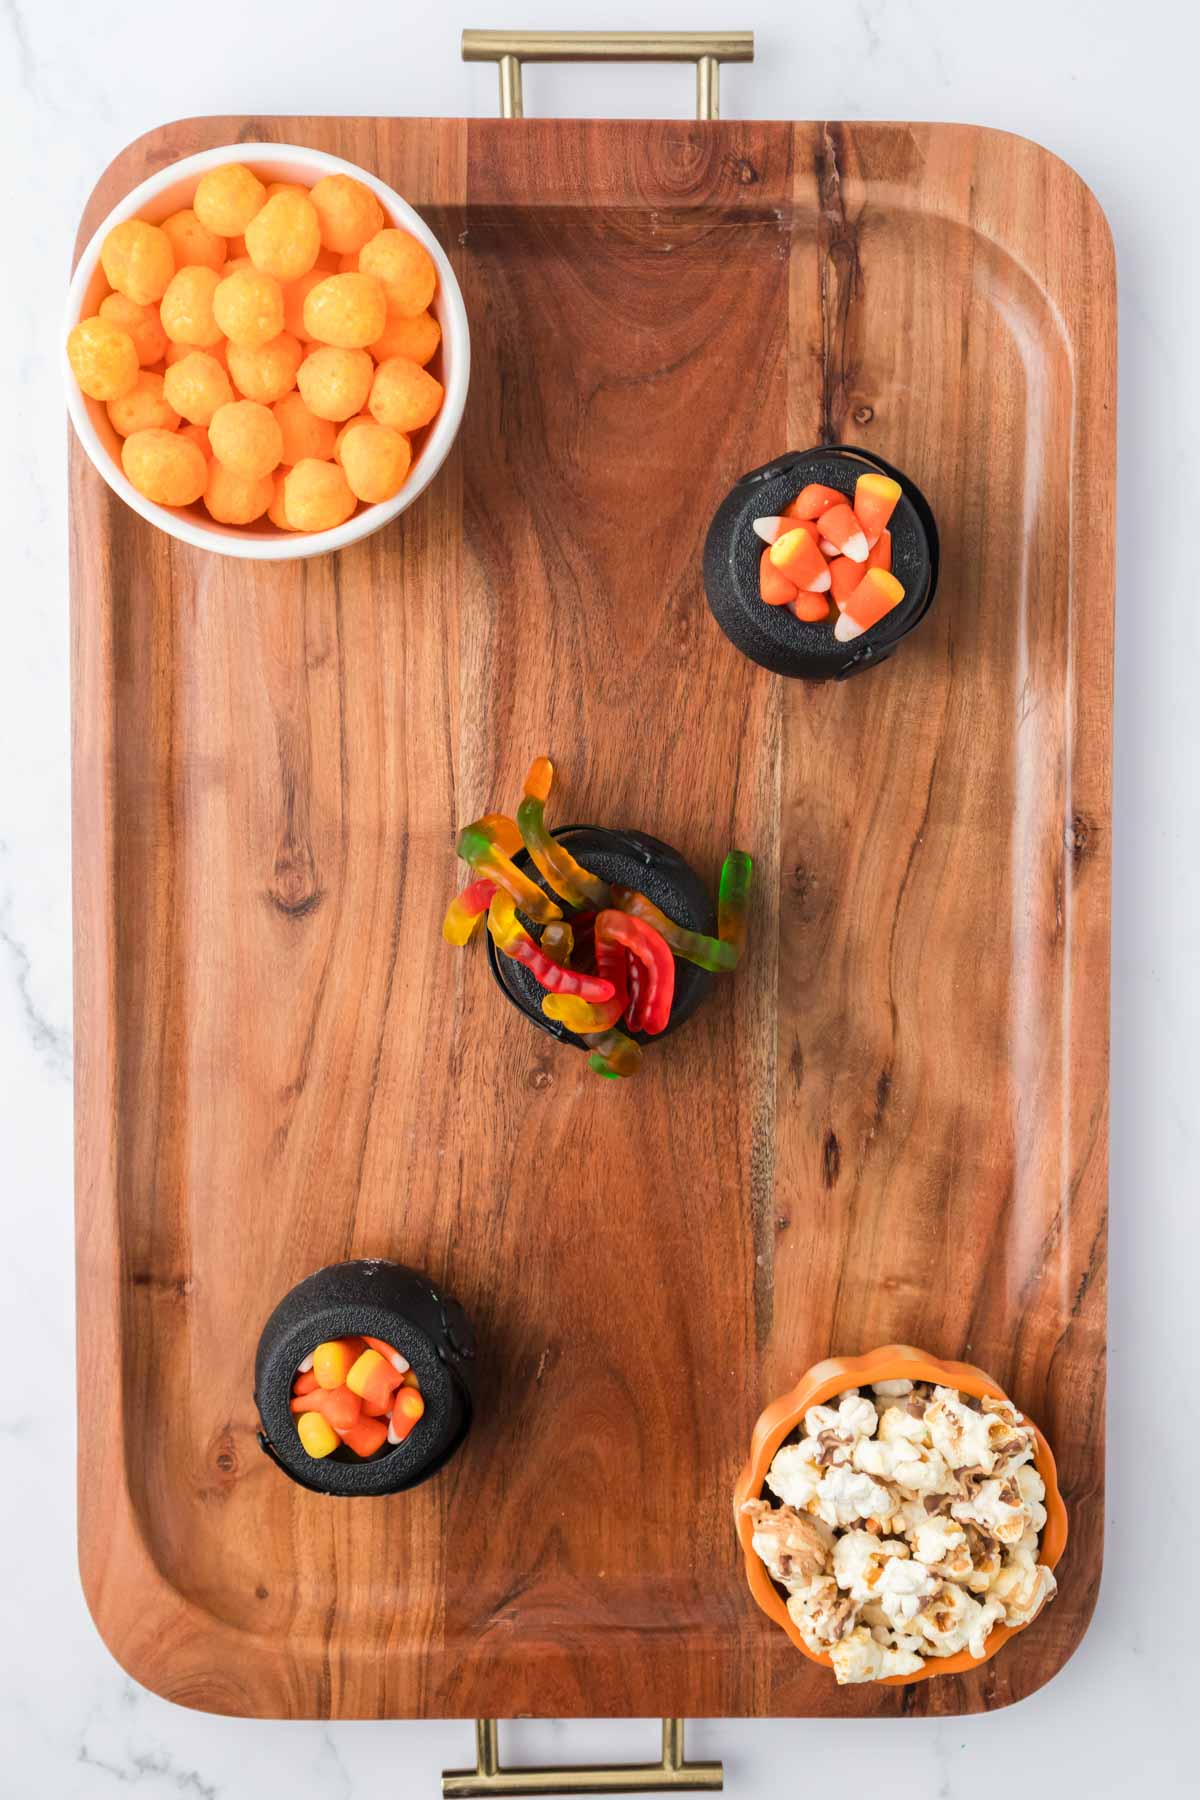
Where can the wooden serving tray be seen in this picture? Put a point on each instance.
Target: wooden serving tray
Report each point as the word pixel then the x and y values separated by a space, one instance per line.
pixel 889 1125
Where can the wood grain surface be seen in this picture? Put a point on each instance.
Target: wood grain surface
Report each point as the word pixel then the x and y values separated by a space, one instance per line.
pixel 890 1125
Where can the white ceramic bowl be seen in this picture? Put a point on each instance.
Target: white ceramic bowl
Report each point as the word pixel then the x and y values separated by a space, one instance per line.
pixel 164 194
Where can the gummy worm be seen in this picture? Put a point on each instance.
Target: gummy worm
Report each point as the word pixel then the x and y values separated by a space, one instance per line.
pixel 734 899
pixel 577 885
pixel 720 953
pixel 582 1017
pixel 613 1054
pixel 511 937
pixel 558 941
pixel 465 911
pixel 656 989
pixel 479 845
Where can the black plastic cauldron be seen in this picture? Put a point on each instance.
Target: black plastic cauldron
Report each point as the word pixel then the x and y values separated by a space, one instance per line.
pixel 772 635
pixel 629 859
pixel 371 1298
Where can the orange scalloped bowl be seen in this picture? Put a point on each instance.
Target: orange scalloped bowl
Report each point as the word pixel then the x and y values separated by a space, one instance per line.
pixel 893 1362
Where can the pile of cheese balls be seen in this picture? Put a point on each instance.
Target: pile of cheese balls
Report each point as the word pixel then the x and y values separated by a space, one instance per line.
pixel 264 350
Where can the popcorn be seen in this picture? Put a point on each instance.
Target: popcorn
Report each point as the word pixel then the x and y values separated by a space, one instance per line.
pixel 997 1507
pixel 959 1432
pixel 937 1539
pixel 903 1585
pixel 821 1612
pixel 793 1546
pixel 1022 1587
pixel 794 1475
pixel 909 1524
pixel 845 1495
pixel 859 1658
pixel 859 1562
pixel 1033 1492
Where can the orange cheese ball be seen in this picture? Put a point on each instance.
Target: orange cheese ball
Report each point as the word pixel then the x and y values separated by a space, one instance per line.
pixel 375 461
pixel 348 264
pixel 358 419
pixel 285 187
pixel 335 383
pixel 316 496
pixel 330 262
pixel 416 338
pixel 284 239
pixel 193 243
pixel 246 437
pixel 405 268
pixel 304 435
pixel 143 408
pixel 196 434
pixel 187 307
pixel 232 499
pixel 348 211
pixel 219 350
pixel 164 467
pixel 104 359
pixel 227 199
pixel 348 311
pixel 403 395
pixel 138 261
pixel 248 307
pixel 266 374
pixel 275 511
pixel 294 296
pixel 235 250
pixel 196 386
pixel 141 322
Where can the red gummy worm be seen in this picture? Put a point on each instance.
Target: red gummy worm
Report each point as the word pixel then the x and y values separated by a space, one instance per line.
pixel 633 981
pixel 559 980
pixel 656 989
pixel 611 964
pixel 477 897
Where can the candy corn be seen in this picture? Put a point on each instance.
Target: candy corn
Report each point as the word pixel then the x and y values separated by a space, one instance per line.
pixel 394 1357
pixel 840 528
pixel 376 1399
pixel 796 555
pixel 365 1438
pixel 876 594
pixel 775 587
pixel 814 500
pixel 875 498
pixel 317 1435
pixel 820 544
pixel 408 1410
pixel 332 1362
pixel 812 608
pixel 373 1378
pixel 845 576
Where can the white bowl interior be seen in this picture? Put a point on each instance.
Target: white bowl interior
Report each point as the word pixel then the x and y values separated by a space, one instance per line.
pixel 155 200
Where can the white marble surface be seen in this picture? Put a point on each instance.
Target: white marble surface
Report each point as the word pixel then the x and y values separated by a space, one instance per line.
pixel 1110 87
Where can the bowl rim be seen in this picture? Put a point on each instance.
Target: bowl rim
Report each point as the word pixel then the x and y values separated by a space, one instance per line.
pixel 456 338
pixel 891 1362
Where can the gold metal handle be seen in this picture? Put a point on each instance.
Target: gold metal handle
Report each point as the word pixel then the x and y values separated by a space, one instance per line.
pixel 673 1775
pixel 707 49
